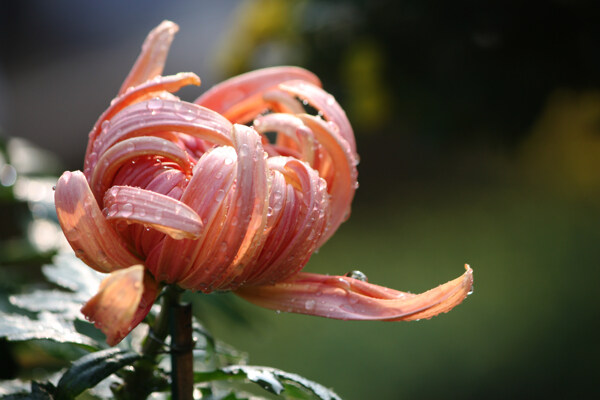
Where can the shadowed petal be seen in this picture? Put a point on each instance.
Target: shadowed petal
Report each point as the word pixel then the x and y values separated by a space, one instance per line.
pixel 240 98
pixel 341 297
pixel 92 238
pixel 154 210
pixel 122 302
pixel 112 160
pixel 151 61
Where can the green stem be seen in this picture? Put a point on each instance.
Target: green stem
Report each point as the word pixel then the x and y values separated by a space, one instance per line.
pixel 142 382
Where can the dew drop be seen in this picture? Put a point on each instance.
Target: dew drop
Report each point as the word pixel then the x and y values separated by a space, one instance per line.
pixel 220 195
pixel 126 210
pixel 154 105
pixel 309 305
pixel 358 275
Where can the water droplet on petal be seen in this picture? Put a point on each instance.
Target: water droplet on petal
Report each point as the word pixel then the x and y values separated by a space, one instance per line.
pixel 309 305
pixel 126 210
pixel 358 275
pixel 154 105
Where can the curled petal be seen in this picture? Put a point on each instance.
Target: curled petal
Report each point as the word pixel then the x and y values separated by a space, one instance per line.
pixel 343 184
pixel 240 98
pixel 303 221
pixel 326 104
pixel 341 297
pixel 151 61
pixel 154 210
pixel 112 160
pixel 155 117
pixel 139 93
pixel 293 128
pixel 89 234
pixel 122 302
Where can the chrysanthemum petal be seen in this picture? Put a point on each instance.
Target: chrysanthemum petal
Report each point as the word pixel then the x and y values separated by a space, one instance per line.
pixel 155 87
pixel 151 61
pixel 112 160
pixel 240 98
pixel 343 184
pixel 341 297
pixel 326 104
pixel 122 302
pixel 212 179
pixel 154 210
pixel 147 119
pixel 90 235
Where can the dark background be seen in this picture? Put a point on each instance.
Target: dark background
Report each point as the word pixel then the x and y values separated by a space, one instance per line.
pixel 478 126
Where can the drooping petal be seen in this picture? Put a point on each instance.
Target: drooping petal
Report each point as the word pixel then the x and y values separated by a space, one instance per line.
pixel 151 61
pixel 92 238
pixel 122 302
pixel 163 213
pixel 112 160
pixel 341 297
pixel 240 98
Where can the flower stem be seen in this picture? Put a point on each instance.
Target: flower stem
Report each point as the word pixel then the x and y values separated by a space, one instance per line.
pixel 143 381
pixel 182 344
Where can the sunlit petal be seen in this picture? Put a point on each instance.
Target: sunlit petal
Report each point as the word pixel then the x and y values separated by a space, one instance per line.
pixel 154 210
pixel 155 87
pixel 212 179
pixel 151 60
pixel 240 98
pixel 122 302
pixel 89 234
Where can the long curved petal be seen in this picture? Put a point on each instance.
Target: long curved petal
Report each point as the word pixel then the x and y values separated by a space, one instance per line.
pixel 157 87
pixel 151 61
pixel 240 98
pixel 155 210
pixel 89 234
pixel 122 302
pixel 341 297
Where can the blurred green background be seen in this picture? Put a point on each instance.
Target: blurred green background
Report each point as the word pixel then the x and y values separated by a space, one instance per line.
pixel 478 127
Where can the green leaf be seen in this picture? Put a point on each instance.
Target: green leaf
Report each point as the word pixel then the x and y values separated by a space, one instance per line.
pixel 89 370
pixel 56 301
pixel 272 380
pixel 71 273
pixel 47 326
pixel 39 391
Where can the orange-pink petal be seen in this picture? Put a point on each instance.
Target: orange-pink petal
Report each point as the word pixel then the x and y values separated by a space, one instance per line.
pixel 240 98
pixel 151 61
pixel 212 179
pixel 114 158
pixel 341 297
pixel 92 238
pixel 154 210
pixel 158 87
pixel 122 302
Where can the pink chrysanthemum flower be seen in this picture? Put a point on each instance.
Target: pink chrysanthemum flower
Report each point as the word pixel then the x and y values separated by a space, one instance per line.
pixel 195 194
